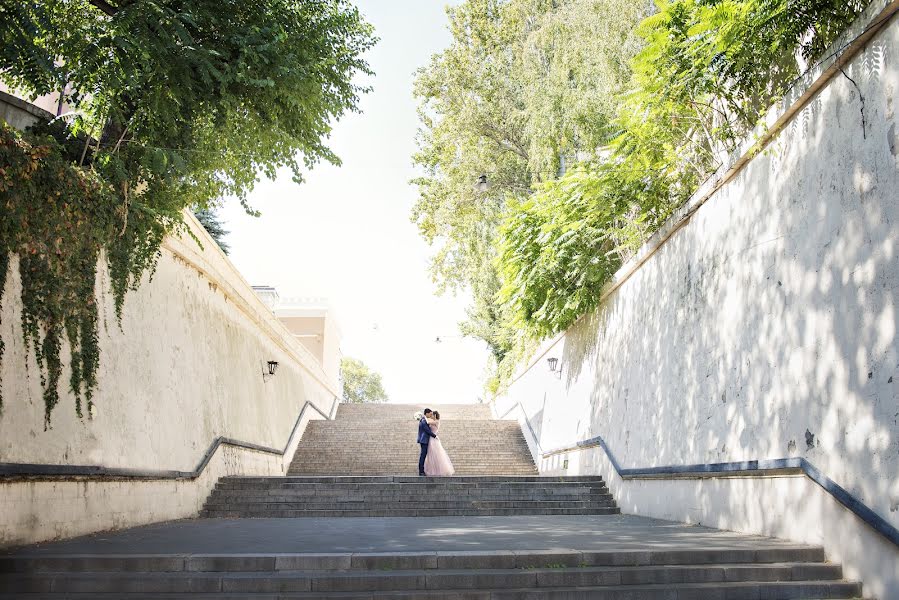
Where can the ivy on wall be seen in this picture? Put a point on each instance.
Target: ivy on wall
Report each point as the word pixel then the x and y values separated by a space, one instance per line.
pixel 57 219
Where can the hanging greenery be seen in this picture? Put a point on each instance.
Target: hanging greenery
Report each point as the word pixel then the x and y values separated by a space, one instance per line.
pixel 594 120
pixel 707 73
pixel 173 104
pixel 57 219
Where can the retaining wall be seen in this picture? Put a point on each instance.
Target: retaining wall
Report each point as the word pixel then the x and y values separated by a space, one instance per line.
pixel 760 323
pixel 182 399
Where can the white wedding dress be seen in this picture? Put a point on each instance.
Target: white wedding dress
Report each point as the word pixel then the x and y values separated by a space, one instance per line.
pixel 437 462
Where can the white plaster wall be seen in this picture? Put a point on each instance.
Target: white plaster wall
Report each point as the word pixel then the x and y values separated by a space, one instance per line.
pixel 768 318
pixel 184 368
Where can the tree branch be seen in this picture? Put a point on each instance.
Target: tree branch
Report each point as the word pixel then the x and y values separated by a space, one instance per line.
pixel 502 140
pixel 106 7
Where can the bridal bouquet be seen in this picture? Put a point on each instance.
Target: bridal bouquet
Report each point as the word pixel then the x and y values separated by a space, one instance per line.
pixel 418 416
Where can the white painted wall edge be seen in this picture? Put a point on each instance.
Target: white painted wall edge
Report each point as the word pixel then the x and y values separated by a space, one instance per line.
pixel 249 303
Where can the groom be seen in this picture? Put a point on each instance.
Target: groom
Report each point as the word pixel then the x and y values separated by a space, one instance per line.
pixel 424 436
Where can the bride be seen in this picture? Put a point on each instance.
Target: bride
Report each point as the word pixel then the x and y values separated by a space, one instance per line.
pixel 437 462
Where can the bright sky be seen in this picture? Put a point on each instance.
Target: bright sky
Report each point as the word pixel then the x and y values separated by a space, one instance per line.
pixel 345 233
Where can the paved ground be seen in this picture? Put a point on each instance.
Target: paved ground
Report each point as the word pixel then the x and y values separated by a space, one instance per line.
pixel 397 534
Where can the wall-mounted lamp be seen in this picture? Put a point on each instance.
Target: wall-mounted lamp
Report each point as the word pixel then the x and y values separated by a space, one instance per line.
pixel 272 367
pixel 482 185
pixel 554 366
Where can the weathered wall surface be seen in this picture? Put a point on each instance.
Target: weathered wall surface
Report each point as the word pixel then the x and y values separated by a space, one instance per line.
pixel 18 113
pixel 765 327
pixel 185 367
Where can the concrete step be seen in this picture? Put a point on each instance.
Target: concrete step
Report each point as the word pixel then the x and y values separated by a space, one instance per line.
pixel 710 574
pixel 404 492
pixel 230 496
pixel 288 497
pixel 422 480
pixel 257 513
pixel 423 579
pixel 380 561
pixel 397 505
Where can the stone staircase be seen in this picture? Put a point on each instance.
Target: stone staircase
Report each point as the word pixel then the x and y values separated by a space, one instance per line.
pixel 724 573
pixel 365 464
pixel 496 531
pixel 393 496
pixel 379 439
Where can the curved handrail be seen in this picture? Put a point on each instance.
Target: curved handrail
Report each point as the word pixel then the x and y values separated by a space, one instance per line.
pixel 749 468
pixel 32 471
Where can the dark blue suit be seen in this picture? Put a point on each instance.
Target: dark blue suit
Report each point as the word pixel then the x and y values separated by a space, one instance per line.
pixel 424 436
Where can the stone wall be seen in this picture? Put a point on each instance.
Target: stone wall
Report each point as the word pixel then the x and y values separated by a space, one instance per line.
pixel 185 368
pixel 760 324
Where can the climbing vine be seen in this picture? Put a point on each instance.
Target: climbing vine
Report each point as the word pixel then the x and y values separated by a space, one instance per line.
pixel 58 218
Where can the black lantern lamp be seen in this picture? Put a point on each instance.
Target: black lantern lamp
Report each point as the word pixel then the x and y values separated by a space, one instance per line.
pixel 272 367
pixel 554 367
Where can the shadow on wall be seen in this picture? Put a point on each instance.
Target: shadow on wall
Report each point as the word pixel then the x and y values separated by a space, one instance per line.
pixel 766 327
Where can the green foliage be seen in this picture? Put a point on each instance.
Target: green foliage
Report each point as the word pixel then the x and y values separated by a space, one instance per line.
pixel 706 75
pixel 176 103
pixel 200 96
pixel 645 112
pixel 360 384
pixel 57 220
pixel 560 246
pixel 524 85
pixel 211 222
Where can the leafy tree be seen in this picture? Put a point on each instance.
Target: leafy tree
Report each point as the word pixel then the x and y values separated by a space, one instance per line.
pixel 193 97
pixel 595 121
pixel 360 384
pixel 211 222
pixel 177 103
pixel 524 86
pixel 708 72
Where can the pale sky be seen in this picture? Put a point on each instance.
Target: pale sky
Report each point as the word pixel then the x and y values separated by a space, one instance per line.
pixel 345 233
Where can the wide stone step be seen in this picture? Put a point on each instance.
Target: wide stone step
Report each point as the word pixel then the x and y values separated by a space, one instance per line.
pixel 255 513
pixel 298 490
pixel 246 497
pixel 721 554
pixel 302 491
pixel 406 453
pixel 399 495
pixel 423 579
pixel 402 455
pixel 414 480
pixel 418 504
pixel 426 483
pixel 462 469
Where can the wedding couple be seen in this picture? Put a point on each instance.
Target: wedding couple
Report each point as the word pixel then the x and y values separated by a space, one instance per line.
pixel 434 461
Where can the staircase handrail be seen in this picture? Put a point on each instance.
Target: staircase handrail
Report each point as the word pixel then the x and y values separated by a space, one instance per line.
pixel 749 468
pixel 33 471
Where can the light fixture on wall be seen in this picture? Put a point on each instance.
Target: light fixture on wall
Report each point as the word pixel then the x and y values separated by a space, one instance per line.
pixel 554 366
pixel 272 367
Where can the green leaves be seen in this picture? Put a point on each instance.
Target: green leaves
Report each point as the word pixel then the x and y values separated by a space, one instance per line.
pixel 175 104
pixel 525 85
pixel 562 245
pixel 645 112
pixel 360 384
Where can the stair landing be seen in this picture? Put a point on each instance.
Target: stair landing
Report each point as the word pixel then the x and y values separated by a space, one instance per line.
pixel 481 558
